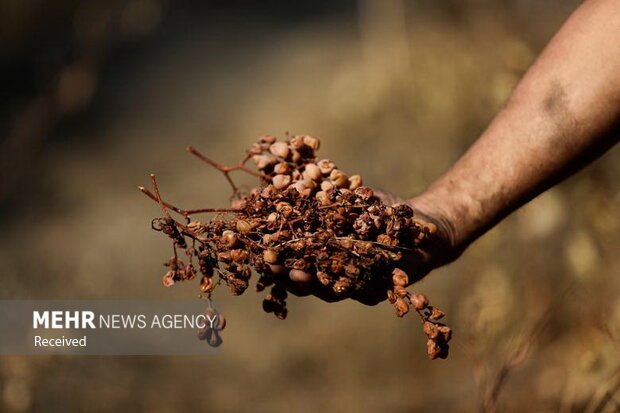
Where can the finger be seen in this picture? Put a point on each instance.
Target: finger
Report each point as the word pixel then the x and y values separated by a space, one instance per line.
pixel 301 277
pixel 297 282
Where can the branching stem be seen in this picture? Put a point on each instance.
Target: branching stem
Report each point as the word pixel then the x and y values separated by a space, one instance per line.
pixel 225 169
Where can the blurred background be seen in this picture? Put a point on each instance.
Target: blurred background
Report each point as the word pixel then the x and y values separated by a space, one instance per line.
pixel 97 94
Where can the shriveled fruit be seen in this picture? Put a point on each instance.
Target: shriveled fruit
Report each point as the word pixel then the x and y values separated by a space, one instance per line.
pixel 305 222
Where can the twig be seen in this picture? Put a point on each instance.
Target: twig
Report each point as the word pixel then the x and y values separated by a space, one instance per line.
pixel 600 399
pixel 187 213
pixel 225 169
pixel 164 210
pixel 519 356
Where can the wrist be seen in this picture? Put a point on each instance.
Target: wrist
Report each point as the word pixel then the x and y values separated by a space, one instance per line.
pixel 453 215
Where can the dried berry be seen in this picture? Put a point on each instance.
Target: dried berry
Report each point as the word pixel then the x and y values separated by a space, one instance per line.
pixel 312 142
pixel 206 284
pixel 324 278
pixel 355 181
pixel 400 291
pixel 339 178
pixel 326 166
pixel 432 349
pixel 446 332
pixel 229 239
pixel 419 301
pixel 168 279
pixel 342 285
pixel 437 314
pixel 401 306
pixel 281 181
pixel 280 149
pixel 239 256
pixel 270 256
pixel 399 277
pixel 283 168
pixel 243 226
pixel 431 330
pixel 267 139
pixel 210 330
pixel 312 171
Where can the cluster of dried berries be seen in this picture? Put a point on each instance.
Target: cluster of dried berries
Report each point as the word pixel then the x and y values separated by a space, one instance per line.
pixel 438 334
pixel 306 221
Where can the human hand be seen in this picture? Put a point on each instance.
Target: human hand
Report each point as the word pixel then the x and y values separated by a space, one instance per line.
pixel 437 248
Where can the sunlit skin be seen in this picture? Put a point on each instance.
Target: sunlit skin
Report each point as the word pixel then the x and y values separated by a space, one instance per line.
pixel 563 114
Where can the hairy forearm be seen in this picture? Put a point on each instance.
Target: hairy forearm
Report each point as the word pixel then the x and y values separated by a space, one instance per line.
pixel 562 115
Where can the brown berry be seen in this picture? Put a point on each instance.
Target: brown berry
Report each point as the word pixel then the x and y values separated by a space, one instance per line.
pixel 312 142
pixel 229 239
pixel 432 349
pixel 437 314
pixel 446 332
pixel 339 178
pixel 281 181
pixel 297 142
pixel 399 277
pixel 206 284
pixel 284 208
pixel 419 301
pixel 326 166
pixel 400 291
pixel 342 285
pixel 313 172
pixel 327 186
pixel 168 279
pixel 324 278
pixel 304 188
pixel 295 157
pixel 282 168
pixel 270 256
pixel 263 161
pixel 355 181
pixel 401 306
pixel 239 255
pixel 323 198
pixel 243 226
pixel 364 193
pixel 280 149
pixel 431 330
pixel 268 192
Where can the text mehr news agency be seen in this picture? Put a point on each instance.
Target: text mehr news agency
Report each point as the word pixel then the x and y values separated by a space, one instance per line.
pixel 88 320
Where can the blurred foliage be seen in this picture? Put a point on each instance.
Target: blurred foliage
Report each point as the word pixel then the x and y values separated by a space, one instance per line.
pixel 97 94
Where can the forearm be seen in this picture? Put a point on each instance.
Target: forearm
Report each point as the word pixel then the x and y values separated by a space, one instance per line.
pixel 562 115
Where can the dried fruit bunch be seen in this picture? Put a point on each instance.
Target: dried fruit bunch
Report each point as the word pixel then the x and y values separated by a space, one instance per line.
pixel 306 221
